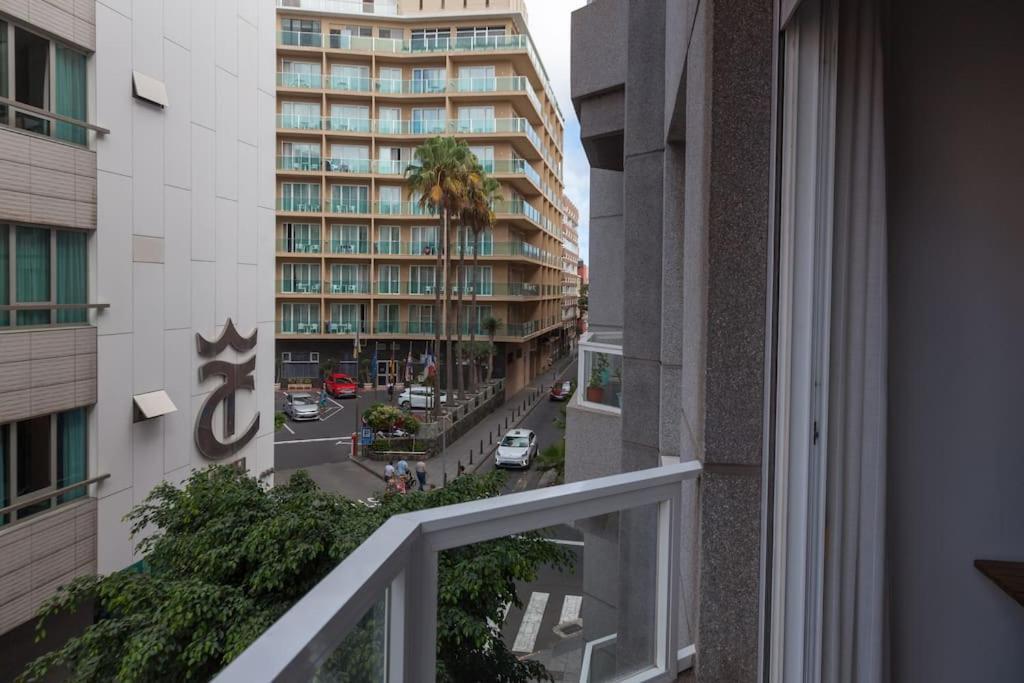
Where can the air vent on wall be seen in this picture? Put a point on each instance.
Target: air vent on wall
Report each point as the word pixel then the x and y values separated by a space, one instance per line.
pixel 149 89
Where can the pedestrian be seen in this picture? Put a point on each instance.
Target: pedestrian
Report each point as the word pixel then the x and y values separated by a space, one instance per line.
pixel 421 474
pixel 389 471
pixel 402 468
pixel 462 470
pixel 323 399
pixel 391 392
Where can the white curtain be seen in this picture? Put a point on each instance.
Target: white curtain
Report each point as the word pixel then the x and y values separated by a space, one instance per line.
pixel 854 599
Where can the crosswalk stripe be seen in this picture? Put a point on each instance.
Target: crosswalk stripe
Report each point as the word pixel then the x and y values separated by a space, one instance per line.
pixel 571 608
pixel 526 638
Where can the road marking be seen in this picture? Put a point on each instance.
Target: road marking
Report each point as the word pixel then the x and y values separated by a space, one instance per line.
pixel 526 638
pixel 290 430
pixel 346 439
pixel 571 608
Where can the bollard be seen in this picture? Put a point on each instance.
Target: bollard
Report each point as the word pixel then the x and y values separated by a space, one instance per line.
pixel 506 423
pixel 490 438
pixel 470 456
pixel 481 445
pixel 445 478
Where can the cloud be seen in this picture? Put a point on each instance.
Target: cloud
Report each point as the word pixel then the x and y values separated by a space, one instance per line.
pixel 550 26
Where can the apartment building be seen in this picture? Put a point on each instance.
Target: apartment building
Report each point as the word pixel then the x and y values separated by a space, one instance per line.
pixel 570 274
pixel 136 311
pixel 360 85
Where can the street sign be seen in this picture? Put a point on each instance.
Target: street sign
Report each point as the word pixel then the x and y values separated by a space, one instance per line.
pixel 365 436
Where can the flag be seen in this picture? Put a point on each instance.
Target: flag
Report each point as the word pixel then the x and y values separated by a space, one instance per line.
pixel 430 365
pixel 373 363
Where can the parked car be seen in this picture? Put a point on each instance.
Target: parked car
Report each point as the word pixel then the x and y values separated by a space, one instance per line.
pixel 561 392
pixel 301 407
pixel 517 449
pixel 419 397
pixel 340 385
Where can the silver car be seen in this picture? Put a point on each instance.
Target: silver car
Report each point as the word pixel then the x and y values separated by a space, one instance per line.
pixel 301 407
pixel 517 449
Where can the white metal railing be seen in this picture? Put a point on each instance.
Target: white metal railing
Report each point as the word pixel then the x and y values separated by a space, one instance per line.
pixel 396 567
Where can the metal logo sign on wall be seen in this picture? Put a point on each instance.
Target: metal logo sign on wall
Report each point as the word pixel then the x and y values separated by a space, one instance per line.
pixel 236 376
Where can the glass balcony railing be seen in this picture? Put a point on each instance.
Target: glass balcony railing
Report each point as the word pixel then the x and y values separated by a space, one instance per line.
pixel 423 248
pixel 396 208
pixel 298 163
pixel 517 207
pixel 420 288
pixel 515 167
pixel 297 327
pixel 350 206
pixel 416 86
pixel 389 287
pixel 294 286
pixel 388 247
pixel 370 621
pixel 347 327
pixel 297 246
pixel 387 8
pixel 348 83
pixel 341 41
pixel 347 287
pixel 299 80
pixel 299 122
pixel 389 167
pixel 398 127
pixel 298 205
pixel 491 84
pixel 300 38
pixel 421 327
pixel 388 327
pixel 344 124
pixel 347 165
pixel 350 247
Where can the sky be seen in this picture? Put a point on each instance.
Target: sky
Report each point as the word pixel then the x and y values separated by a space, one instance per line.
pixel 550 27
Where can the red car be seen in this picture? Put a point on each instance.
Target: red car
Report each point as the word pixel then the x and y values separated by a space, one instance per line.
pixel 561 391
pixel 340 385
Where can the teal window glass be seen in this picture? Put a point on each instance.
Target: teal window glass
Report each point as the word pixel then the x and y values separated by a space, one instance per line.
pixel 70 88
pixel 5 273
pixel 71 452
pixel 5 488
pixel 32 273
pixel 72 257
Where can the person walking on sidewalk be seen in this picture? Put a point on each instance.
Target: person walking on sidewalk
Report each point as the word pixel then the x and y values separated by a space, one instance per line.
pixel 421 474
pixel 389 472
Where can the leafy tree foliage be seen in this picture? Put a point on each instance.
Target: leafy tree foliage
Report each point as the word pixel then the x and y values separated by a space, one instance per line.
pixel 227 556
pixel 384 418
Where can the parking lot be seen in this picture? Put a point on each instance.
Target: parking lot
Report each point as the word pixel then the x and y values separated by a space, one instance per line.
pixel 315 442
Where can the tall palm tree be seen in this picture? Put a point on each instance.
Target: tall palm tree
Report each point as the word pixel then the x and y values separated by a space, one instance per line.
pixel 481 194
pixel 491 325
pixel 438 177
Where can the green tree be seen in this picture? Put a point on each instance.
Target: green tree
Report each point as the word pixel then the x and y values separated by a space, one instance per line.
pixel 229 556
pixel 438 177
pixel 481 194
pixel 491 325
pixel 383 418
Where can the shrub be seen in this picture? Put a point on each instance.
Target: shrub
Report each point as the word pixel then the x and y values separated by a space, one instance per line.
pixel 385 418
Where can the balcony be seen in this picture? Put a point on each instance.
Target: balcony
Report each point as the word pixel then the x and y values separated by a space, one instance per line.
pixel 45 123
pixel 343 124
pixel 295 286
pixel 361 166
pixel 397 208
pixel 354 84
pixel 294 205
pixel 300 39
pixel 346 327
pixel 388 327
pixel 419 86
pixel 346 287
pixel 422 128
pixel 299 163
pixel 308 328
pixel 380 605
pixel 387 8
pixel 601 371
pixel 354 247
pixel 356 207
pixel 299 122
pixel 299 81
pixel 299 246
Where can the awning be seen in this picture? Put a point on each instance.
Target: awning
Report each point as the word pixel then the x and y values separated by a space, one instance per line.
pixel 153 404
pixel 149 89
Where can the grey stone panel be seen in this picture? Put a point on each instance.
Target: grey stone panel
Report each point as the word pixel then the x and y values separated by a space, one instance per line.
pixel 606 272
pixel 670 425
pixel 679 21
pixel 637 456
pixel 738 229
pixel 673 193
pixel 729 577
pixel 593 441
pixel 641 406
pixel 645 94
pixel 605 194
pixel 603 115
pixel 642 288
pixel 598 48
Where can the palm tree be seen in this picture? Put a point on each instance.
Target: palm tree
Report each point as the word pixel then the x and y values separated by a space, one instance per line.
pixel 438 177
pixel 492 325
pixel 480 199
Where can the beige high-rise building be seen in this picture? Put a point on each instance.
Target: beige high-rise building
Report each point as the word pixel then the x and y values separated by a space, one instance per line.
pixel 570 274
pixel 360 85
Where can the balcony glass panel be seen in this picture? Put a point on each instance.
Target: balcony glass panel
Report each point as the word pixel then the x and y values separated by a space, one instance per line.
pixel 299 121
pixel 347 165
pixel 299 246
pixel 347 124
pixel 345 83
pixel 301 38
pixel 347 326
pixel 294 162
pixel 299 80
pixel 348 287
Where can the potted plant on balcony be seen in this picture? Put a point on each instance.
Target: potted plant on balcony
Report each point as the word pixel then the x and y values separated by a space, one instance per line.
pixel 595 387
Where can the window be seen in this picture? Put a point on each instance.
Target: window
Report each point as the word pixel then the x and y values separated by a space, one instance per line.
pixel 601 371
pixel 300 197
pixel 301 238
pixel 300 318
pixel 389 80
pixel 350 278
pixel 424 241
pixel 300 278
pixel 350 117
pixel 300 116
pixel 49 267
pixel 389 279
pixel 427 39
pixel 352 38
pixel 299 156
pixel 483 154
pixel 349 159
pixel 390 199
pixel 346 318
pixel 41 455
pixel 483 280
pixel 387 318
pixel 421 319
pixel 350 77
pixel 44 74
pixel 350 199
pixel 426 80
pixel 390 33
pixel 349 239
pixel 299 74
pixel 422 279
pixel 477 79
pixel 389 120
pixel 427 121
pixel 476 120
pixel 304 32
pixel 389 239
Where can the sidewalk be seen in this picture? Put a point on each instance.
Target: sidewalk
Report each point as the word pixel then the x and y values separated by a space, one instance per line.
pixel 514 410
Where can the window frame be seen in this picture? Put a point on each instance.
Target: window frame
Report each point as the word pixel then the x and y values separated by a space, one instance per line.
pixel 587 345
pixel 12 274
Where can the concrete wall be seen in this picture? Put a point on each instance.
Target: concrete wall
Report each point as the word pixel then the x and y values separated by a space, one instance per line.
pixel 956 376
pixel 184 237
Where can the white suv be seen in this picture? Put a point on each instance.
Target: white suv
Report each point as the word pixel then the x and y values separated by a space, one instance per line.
pixel 517 449
pixel 419 397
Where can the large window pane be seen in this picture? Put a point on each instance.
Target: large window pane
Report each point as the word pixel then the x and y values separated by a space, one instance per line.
pixel 33 437
pixel 31 56
pixel 4 88
pixel 72 286
pixel 70 89
pixel 71 452
pixel 5 278
pixel 32 273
